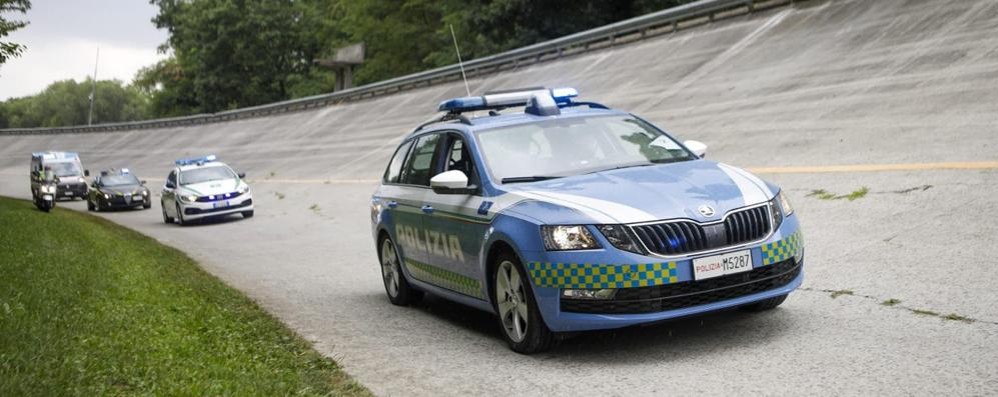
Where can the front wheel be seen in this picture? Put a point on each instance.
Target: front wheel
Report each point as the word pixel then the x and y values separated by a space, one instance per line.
pixel 166 218
pixel 399 291
pixel 247 214
pixel 519 317
pixel 180 216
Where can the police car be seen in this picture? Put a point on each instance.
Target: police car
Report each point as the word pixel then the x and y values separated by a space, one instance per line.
pixel 570 216
pixel 114 189
pixel 203 187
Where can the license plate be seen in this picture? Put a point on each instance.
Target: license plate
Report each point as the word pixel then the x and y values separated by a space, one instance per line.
pixel 137 197
pixel 720 265
pixel 220 204
pixel 67 193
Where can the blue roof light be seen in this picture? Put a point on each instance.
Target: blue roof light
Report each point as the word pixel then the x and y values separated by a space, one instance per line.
pixel 564 94
pixel 466 104
pixel 196 160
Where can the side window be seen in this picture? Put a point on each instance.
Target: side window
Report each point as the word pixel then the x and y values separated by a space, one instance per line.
pixel 394 170
pixel 419 166
pixel 458 158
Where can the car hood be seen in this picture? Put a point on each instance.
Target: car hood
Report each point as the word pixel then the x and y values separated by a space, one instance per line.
pixel 642 194
pixel 122 190
pixel 212 187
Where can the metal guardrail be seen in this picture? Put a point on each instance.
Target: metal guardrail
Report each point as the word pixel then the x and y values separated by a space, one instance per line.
pixel 665 21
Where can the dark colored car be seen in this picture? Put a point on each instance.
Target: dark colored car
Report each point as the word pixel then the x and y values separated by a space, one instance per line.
pixel 117 189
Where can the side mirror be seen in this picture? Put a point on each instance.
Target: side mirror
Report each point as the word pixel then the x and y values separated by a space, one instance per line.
pixel 86 172
pixel 170 185
pixel 698 148
pixel 451 182
pixel 142 182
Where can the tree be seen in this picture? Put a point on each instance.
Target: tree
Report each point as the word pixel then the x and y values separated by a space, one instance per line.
pixel 66 103
pixel 238 53
pixel 9 49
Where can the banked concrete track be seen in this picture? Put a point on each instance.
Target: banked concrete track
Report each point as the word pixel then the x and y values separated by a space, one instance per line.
pixel 808 86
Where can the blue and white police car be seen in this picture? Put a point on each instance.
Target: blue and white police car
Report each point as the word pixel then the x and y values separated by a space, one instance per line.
pixel 204 187
pixel 561 215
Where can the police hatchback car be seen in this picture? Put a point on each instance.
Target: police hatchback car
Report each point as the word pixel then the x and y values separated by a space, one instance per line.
pixel 204 187
pixel 569 216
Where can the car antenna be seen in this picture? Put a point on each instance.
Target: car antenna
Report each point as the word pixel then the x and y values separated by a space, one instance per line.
pixel 459 62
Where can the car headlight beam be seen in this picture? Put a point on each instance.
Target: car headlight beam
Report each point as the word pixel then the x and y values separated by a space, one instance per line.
pixel 568 237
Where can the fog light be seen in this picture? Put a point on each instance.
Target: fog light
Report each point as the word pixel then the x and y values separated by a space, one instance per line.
pixel 596 294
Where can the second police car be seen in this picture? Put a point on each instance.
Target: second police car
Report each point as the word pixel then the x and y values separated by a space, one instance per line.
pixel 569 216
pixel 204 187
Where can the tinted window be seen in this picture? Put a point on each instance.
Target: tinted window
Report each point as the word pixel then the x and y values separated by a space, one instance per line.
pixel 118 180
pixel 206 174
pixel 394 170
pixel 420 163
pixel 458 158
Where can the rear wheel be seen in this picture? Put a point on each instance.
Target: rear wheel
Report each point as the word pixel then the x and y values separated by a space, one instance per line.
pixel 765 304
pixel 519 317
pixel 398 289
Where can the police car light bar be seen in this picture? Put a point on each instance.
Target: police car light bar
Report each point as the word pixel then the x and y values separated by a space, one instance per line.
pixel 196 160
pixel 506 99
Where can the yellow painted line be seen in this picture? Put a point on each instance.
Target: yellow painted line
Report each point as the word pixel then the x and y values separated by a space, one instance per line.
pixel 822 169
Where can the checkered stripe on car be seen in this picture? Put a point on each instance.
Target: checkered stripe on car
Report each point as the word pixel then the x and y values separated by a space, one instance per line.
pixel 781 250
pixel 597 276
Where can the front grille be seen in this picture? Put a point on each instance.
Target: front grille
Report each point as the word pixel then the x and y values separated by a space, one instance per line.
pixel 684 237
pixel 688 293
pixel 218 197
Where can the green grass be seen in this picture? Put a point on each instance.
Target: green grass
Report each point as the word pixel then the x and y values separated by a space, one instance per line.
pixel 822 194
pixel 891 302
pixel 838 293
pixel 89 308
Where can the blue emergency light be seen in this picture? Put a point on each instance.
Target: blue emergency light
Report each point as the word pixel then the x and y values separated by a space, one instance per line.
pixel 500 100
pixel 196 160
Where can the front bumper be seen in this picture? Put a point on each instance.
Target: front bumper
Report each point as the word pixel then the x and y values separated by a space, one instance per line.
pixel 73 189
pixel 197 210
pixel 122 201
pixel 651 289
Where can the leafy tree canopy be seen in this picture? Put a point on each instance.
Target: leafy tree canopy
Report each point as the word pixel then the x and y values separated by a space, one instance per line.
pixel 9 49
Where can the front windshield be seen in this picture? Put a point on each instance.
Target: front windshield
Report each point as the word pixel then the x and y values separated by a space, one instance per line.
pixel 118 180
pixel 206 174
pixel 66 168
pixel 572 146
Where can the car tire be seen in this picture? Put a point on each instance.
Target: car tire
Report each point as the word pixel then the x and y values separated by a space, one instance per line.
pixel 147 205
pixel 166 218
pixel 180 217
pixel 90 205
pixel 765 304
pixel 520 321
pixel 247 214
pixel 400 293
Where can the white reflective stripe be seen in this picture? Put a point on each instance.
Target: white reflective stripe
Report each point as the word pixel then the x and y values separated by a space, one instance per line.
pixel 751 193
pixel 758 182
pixel 601 211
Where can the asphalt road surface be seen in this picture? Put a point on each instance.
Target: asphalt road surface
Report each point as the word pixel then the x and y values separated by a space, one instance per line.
pixel 905 90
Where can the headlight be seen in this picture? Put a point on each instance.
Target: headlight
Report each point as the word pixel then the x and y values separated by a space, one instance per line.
pixel 107 196
pixel 780 208
pixel 618 236
pixel 145 192
pixel 81 180
pixel 785 204
pixel 243 189
pixel 48 189
pixel 562 238
pixel 188 198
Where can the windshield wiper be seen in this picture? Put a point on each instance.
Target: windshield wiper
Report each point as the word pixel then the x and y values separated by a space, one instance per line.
pixel 672 160
pixel 534 178
pixel 642 164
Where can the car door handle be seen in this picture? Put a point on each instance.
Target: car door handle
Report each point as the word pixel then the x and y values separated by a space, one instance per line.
pixel 427 209
pixel 393 204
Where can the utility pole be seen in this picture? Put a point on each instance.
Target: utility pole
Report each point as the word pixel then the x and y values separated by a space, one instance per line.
pixel 93 90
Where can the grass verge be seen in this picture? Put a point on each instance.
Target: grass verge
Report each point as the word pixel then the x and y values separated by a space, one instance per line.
pixel 90 308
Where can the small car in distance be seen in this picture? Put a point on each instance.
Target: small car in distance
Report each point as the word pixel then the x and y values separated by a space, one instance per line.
pixel 67 167
pixel 117 189
pixel 204 187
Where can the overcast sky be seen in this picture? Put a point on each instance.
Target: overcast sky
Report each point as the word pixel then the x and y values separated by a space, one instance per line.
pixel 63 37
